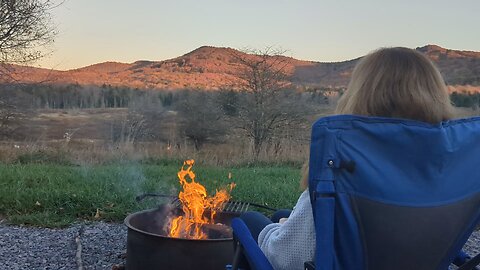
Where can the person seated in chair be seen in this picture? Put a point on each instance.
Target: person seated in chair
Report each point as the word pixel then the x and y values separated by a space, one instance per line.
pixel 389 82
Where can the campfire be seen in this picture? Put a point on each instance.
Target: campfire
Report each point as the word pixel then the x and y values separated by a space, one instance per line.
pixel 199 209
pixel 192 231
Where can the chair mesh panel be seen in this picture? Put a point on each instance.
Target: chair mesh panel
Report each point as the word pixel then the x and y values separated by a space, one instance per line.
pixel 399 237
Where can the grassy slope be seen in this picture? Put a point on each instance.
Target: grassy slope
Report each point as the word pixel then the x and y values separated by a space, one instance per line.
pixel 55 196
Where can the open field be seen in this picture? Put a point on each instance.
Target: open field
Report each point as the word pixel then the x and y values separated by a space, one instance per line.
pixel 56 196
pixel 50 180
pixel 99 136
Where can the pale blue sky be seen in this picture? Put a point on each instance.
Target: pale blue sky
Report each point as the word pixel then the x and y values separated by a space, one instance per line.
pixel 92 31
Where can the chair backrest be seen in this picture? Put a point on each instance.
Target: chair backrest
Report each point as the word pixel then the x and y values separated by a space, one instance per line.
pixel 393 194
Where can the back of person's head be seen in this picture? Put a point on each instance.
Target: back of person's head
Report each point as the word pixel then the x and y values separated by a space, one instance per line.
pixel 397 82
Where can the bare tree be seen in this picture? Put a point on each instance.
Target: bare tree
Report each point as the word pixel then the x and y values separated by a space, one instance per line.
pixel 7 116
pixel 12 117
pixel 142 122
pixel 201 118
pixel 25 28
pixel 265 108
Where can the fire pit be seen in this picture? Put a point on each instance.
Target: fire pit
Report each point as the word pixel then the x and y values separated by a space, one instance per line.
pixel 149 247
pixel 192 232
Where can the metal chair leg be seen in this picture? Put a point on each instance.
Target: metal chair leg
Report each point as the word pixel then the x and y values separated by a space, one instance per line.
pixel 237 256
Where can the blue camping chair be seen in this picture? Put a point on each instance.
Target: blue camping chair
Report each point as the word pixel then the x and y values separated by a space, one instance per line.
pixel 389 194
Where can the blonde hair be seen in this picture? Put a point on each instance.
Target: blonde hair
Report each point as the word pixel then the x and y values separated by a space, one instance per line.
pixel 395 82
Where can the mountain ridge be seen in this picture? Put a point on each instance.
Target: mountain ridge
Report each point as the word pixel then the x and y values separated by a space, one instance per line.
pixel 212 68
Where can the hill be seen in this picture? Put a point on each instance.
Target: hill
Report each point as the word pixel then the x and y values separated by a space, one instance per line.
pixel 212 68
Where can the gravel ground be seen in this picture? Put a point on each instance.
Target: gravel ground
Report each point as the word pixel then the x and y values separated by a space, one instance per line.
pixel 103 246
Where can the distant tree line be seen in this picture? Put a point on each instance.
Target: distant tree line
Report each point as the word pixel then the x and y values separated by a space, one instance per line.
pixel 74 96
pixel 467 100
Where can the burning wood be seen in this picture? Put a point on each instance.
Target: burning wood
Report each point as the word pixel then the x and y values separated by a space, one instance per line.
pixel 199 209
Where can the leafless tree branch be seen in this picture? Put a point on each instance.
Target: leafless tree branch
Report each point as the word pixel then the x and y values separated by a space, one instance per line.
pixel 265 108
pixel 26 29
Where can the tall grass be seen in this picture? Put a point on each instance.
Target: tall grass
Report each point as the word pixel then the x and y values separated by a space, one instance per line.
pixel 80 152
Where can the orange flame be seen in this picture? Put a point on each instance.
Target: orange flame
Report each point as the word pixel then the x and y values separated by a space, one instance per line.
pixel 195 204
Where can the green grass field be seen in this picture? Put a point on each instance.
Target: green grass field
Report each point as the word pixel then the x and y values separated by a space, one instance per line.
pixel 55 196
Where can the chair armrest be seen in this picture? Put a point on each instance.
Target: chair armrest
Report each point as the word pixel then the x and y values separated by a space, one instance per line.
pixel 252 251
